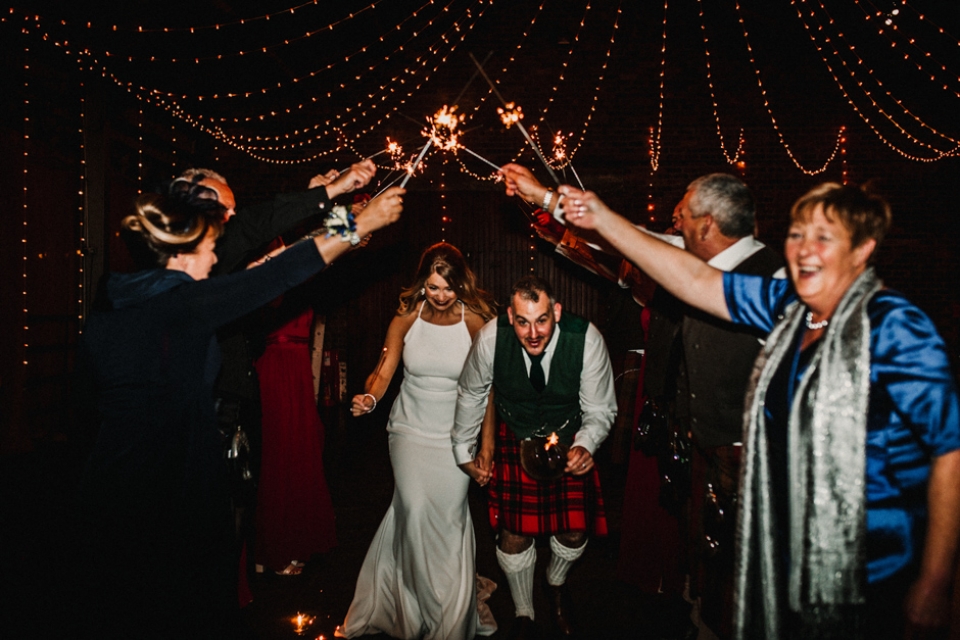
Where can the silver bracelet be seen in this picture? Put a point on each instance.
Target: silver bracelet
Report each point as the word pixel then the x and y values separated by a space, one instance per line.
pixel 547 199
pixel 374 398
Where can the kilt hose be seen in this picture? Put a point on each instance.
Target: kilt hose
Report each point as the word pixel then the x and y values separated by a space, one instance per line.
pixel 526 507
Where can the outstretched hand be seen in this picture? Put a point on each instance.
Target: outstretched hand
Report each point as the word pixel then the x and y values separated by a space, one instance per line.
pixel 323 179
pixel 357 176
pixel 521 182
pixel 583 209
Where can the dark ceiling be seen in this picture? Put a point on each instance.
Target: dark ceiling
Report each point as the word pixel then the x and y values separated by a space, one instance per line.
pixel 296 81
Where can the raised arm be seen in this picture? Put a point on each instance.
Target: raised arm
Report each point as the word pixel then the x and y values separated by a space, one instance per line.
pixel 681 273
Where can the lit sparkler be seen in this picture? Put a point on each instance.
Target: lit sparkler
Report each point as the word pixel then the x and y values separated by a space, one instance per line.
pixel 443 129
pixel 552 441
pixel 395 151
pixel 510 114
pixel 509 106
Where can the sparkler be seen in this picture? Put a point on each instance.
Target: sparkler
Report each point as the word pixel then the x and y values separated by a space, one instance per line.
pixel 560 154
pixel 517 122
pixel 552 440
pixel 479 157
pixel 412 168
pixel 442 133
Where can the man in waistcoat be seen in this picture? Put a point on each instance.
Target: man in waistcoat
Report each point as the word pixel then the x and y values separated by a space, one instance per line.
pixel 717 220
pixel 700 367
pixel 552 382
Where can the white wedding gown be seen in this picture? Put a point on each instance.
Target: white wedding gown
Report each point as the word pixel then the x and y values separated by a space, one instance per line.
pixel 418 579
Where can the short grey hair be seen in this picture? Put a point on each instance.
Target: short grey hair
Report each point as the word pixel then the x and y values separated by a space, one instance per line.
pixel 191 173
pixel 728 200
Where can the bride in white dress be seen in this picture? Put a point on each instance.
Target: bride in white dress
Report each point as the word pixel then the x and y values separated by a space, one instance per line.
pixel 419 579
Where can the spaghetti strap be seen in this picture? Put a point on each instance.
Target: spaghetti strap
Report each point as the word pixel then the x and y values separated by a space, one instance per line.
pixel 463 311
pixel 422 305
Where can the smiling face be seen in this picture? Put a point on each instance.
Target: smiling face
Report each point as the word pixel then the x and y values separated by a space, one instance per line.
pixel 822 261
pixel 438 292
pixel 533 322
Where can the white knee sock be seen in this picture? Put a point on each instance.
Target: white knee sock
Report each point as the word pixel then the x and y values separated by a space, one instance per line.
pixel 561 561
pixel 518 568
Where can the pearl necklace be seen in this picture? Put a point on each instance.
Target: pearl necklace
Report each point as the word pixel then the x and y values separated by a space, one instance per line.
pixel 813 326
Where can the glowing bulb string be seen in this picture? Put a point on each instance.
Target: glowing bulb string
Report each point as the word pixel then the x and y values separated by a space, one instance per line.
pixel 939 153
pixel 716 109
pixel 519 124
pixel 769 108
pixel 860 62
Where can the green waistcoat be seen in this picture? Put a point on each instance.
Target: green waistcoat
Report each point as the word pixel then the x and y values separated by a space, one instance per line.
pixel 557 407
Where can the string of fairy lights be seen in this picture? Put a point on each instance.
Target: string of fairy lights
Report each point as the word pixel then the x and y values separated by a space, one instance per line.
pixel 735 159
pixel 872 77
pixel 452 27
pixel 881 19
pixel 26 200
pixel 655 138
pixel 938 154
pixel 81 292
pixel 769 108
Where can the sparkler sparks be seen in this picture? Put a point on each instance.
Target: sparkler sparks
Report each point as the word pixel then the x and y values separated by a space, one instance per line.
pixel 395 151
pixel 510 114
pixel 552 441
pixel 443 129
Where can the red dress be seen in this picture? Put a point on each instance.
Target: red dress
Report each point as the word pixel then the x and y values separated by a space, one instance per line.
pixel 649 536
pixel 295 516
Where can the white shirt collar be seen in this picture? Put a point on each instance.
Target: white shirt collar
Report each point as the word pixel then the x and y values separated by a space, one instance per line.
pixel 729 258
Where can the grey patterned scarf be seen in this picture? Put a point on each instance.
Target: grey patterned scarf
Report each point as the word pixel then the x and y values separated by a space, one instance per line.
pixel 826 473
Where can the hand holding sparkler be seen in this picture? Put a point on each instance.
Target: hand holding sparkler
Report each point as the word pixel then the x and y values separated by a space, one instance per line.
pixel 323 179
pixel 521 182
pixel 357 176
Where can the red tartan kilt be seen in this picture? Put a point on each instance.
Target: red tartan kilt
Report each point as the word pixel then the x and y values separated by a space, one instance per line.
pixel 526 507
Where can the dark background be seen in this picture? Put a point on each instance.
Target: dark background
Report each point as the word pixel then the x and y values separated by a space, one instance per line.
pixel 103 100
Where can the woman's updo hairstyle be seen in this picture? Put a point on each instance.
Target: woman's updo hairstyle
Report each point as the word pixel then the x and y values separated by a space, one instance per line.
pixel 176 220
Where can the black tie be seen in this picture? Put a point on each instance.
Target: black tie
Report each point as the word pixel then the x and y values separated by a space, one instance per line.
pixel 536 373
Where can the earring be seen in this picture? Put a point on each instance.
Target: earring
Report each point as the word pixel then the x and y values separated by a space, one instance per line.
pixel 422 291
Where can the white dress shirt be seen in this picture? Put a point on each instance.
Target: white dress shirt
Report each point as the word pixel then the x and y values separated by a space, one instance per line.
pixel 597 398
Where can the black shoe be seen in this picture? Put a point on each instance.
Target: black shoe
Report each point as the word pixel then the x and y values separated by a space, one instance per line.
pixel 523 628
pixel 561 609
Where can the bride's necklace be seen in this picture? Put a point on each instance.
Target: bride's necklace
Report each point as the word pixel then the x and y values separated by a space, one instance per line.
pixel 813 326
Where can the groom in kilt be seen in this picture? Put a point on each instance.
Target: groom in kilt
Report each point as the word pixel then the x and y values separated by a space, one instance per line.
pixel 553 389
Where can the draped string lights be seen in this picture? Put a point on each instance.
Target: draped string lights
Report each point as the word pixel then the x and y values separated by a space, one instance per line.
pixel 855 78
pixel 735 158
pixel 655 140
pixel 358 121
pixel 81 293
pixel 766 104
pixel 26 172
pixel 888 18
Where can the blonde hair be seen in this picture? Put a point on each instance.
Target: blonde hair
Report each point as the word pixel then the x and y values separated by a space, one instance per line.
pixel 447 261
pixel 171 224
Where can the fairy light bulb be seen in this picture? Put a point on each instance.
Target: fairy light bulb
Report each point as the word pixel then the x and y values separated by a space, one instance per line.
pixel 25 203
pixel 735 158
pixel 769 108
